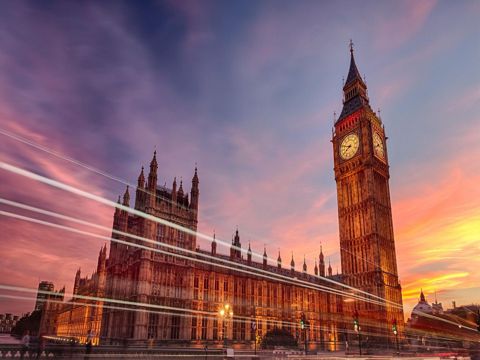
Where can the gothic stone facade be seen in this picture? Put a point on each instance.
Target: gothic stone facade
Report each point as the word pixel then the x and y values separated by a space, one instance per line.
pixel 202 287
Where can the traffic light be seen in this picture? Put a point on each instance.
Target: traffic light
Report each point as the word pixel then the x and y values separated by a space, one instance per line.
pixel 302 321
pixel 394 326
pixel 355 321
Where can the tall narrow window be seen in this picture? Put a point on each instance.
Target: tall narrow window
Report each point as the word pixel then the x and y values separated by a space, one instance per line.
pixel 194 328
pixel 152 326
pixel 215 329
pixel 205 288
pixel 175 329
pixel 204 327
pixel 195 288
pixel 217 291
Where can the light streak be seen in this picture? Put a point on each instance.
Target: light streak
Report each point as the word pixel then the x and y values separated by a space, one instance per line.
pixel 79 163
pixel 123 181
pixel 107 202
pixel 194 253
pixel 211 315
pixel 288 280
pixel 214 315
pixel 7 287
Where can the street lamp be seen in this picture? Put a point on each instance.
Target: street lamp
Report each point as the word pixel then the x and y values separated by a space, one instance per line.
pixel 226 312
pixel 395 332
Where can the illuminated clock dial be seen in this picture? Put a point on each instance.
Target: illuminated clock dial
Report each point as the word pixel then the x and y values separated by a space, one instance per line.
pixel 349 146
pixel 378 148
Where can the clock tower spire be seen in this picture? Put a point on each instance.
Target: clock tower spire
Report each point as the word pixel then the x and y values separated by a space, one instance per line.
pixel 367 246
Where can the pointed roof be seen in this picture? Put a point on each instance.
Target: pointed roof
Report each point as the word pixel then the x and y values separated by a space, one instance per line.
pixel 353 73
pixel 153 163
pixel 126 197
pixel 195 176
pixel 354 90
pixel 249 248
pixel 141 179
pixel 279 258
pixel 422 296
pixel 180 189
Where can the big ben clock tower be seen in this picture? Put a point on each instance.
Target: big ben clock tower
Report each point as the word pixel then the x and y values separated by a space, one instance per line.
pixel 367 244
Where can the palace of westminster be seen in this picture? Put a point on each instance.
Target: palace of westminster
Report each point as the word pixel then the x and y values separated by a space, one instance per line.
pixel 160 288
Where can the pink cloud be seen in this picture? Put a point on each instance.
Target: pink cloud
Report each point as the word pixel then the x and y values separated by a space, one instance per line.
pixel 406 20
pixel 34 251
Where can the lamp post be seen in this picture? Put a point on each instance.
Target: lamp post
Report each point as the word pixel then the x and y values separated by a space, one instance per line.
pixel 226 312
pixel 395 332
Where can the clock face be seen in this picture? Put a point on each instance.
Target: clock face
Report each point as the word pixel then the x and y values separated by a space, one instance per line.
pixel 349 146
pixel 378 148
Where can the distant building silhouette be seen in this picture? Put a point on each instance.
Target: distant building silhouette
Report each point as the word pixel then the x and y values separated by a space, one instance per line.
pixel 42 294
pixel 7 322
pixel 52 303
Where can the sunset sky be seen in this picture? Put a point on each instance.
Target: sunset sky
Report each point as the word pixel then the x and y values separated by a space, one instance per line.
pixel 247 91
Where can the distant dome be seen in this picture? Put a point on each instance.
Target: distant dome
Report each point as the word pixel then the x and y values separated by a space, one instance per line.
pixel 422 307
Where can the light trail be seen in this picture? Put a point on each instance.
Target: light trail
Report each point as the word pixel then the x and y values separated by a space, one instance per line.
pixel 176 248
pixel 110 203
pixel 81 232
pixel 125 182
pixel 96 171
pixel 213 315
pixel 79 163
pixel 444 320
pixel 7 287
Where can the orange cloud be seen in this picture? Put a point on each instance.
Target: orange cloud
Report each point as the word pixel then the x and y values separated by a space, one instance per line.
pixel 437 224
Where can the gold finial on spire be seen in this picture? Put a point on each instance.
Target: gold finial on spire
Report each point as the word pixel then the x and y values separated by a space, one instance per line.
pixel 351 46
